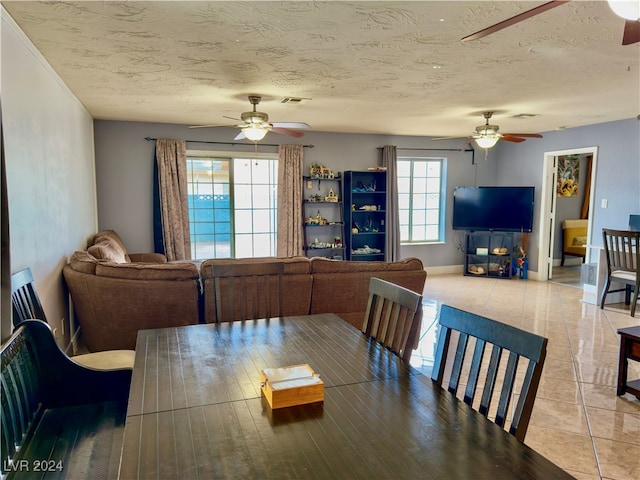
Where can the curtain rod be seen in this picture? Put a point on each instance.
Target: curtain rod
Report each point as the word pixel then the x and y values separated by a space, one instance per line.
pixel 470 149
pixel 149 139
pixel 435 149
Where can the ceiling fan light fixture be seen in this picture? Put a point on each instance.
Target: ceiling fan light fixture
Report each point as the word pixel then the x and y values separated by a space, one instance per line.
pixel 627 9
pixel 254 134
pixel 487 141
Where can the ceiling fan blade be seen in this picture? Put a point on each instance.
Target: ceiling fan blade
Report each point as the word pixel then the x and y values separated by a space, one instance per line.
pixel 291 125
pixel 240 136
pixel 512 139
pixel 231 118
pixel 208 126
pixel 285 131
pixel 527 135
pixel 447 138
pixel 631 33
pixel 513 20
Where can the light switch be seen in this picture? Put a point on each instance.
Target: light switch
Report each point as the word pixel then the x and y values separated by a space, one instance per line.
pixel 603 203
pixel 309 185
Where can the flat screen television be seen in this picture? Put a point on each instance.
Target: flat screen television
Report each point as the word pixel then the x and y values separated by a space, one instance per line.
pixel 502 209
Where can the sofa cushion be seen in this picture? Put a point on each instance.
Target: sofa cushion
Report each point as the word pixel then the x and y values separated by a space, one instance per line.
pixel 252 266
pixel 108 250
pixel 160 271
pixel 342 287
pixel 109 235
pixel 297 266
pixel 83 262
pixel 325 265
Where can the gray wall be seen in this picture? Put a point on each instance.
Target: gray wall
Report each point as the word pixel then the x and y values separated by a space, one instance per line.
pixel 124 167
pixel 617 171
pixel 50 170
pixel 124 162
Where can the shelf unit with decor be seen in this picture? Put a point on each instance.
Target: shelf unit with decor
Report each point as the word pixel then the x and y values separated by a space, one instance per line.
pixel 489 254
pixel 365 209
pixel 322 215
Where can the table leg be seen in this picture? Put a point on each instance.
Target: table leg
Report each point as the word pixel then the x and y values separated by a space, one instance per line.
pixel 622 368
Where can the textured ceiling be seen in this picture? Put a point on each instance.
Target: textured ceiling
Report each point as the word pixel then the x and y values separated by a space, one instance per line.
pixel 368 67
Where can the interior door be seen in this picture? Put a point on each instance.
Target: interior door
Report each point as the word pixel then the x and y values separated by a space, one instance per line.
pixel 548 207
pixel 552 179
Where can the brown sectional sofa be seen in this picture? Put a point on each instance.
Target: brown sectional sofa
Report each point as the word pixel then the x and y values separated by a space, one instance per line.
pixel 115 294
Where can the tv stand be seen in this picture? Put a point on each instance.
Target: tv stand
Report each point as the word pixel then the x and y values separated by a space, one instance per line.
pixel 489 254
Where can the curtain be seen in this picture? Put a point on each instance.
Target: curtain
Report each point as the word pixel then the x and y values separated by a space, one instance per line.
pixel 290 237
pixel 584 212
pixel 392 241
pixel 171 164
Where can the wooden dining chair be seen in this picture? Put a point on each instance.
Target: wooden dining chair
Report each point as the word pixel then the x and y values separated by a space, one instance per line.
pixel 27 305
pixel 622 251
pixel 393 317
pixel 505 341
pixel 248 291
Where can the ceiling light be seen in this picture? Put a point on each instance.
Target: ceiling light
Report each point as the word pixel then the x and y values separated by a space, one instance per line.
pixel 487 141
pixel 629 9
pixel 254 133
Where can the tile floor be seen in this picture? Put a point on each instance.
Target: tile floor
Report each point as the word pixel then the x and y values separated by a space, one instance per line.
pixel 577 422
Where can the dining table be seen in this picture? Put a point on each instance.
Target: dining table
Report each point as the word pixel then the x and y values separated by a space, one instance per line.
pixel 196 411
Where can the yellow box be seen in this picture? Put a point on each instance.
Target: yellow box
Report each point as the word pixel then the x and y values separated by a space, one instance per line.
pixel 292 385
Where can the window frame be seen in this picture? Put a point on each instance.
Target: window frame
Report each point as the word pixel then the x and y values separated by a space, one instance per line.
pixel 441 214
pixel 231 158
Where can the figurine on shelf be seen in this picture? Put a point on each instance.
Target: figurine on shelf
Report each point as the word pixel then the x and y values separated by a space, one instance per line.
pixel 317 220
pixel 365 188
pixel 366 250
pixel 320 171
pixel 315 170
pixel 317 244
pixel 331 196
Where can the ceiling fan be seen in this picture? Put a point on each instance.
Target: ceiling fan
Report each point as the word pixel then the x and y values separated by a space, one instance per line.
pixel 256 124
pixel 486 136
pixel 627 9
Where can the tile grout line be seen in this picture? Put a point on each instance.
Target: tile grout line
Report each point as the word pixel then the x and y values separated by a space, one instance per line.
pixel 579 383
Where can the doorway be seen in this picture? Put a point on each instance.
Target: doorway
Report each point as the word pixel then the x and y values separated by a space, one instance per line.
pixel 549 210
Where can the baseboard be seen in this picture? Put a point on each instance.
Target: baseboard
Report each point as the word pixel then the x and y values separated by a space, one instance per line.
pixel 445 269
pixel 449 269
pixel 568 262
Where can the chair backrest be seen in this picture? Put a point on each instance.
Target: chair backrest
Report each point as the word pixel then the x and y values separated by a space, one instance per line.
pixel 634 222
pixel 505 341
pixel 393 317
pixel 248 291
pixel 26 303
pixel 622 250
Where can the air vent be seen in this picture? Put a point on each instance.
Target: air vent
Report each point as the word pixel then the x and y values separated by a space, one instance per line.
pixel 293 99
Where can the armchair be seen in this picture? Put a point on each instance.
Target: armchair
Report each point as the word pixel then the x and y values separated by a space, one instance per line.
pixel 574 238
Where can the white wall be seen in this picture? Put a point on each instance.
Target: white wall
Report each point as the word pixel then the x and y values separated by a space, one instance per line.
pixel 50 168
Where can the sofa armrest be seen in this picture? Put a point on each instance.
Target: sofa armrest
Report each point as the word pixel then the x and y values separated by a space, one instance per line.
pixel 148 258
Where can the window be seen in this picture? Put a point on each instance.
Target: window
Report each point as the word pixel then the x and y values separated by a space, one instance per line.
pixel 421 199
pixel 232 206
